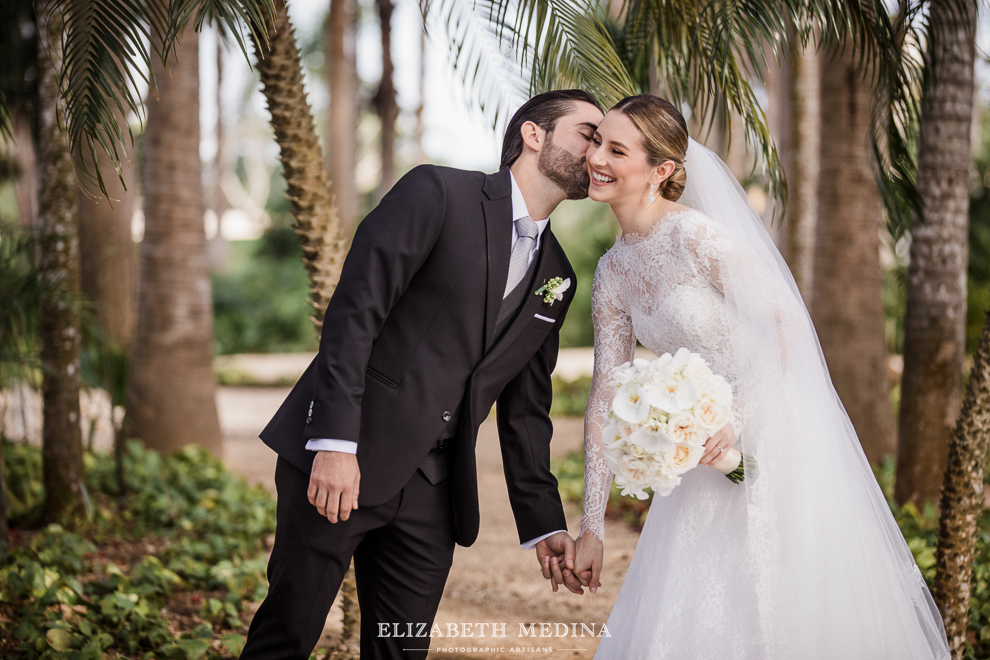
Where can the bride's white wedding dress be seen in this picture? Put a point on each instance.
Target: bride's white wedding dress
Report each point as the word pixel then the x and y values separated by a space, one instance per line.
pixel 801 561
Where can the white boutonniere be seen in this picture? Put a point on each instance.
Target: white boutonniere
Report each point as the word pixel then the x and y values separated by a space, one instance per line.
pixel 554 290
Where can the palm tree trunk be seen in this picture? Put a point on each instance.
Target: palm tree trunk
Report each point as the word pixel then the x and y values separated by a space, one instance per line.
pixel 803 166
pixel 171 397
pixel 26 187
pixel 308 189
pixel 317 222
pixel 421 108
pixel 108 261
pixel 847 304
pixel 221 164
pixel 962 502
pixel 935 317
pixel 385 101
pixel 59 267
pixel 341 37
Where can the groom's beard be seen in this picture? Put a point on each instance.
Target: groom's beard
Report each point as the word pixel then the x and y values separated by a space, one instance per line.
pixel 566 170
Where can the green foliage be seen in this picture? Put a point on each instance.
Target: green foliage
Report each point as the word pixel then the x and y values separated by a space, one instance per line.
pixel 260 304
pixel 570 397
pixel 586 231
pixel 979 238
pixel 207 530
pixel 569 471
pixel 21 291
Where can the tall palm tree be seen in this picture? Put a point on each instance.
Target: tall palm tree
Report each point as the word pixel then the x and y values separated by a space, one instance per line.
pixel 62 453
pixel 962 501
pixel 803 165
pixel 385 101
pixel 934 324
pixel 171 398
pixel 847 303
pixel 342 124
pixel 108 263
pixel 308 188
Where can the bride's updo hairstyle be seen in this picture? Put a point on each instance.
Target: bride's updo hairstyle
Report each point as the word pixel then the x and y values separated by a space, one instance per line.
pixel 665 137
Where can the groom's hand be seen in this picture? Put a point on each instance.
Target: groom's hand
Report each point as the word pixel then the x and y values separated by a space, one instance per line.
pixel 333 484
pixel 556 556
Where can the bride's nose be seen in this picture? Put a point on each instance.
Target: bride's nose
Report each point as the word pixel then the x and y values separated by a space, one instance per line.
pixel 595 155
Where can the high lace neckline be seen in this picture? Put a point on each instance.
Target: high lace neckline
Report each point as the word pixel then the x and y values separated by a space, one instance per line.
pixel 663 221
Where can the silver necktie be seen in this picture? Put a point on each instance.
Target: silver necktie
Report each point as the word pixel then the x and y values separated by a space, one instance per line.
pixel 519 261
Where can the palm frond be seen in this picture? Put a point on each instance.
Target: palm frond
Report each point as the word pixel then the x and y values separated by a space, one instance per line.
pixel 899 85
pixel 480 49
pixel 571 46
pixel 230 16
pixel 105 62
pixel 708 55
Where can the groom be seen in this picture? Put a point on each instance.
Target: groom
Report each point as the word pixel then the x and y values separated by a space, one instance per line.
pixel 435 318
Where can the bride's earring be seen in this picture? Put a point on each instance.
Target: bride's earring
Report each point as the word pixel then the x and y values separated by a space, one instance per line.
pixel 652 198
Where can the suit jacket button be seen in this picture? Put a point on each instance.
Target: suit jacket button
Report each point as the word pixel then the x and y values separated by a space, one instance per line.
pixel 309 420
pixel 446 415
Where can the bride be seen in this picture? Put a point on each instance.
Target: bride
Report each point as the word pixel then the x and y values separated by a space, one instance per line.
pixel 803 559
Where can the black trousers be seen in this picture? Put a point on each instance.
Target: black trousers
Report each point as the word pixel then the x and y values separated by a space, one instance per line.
pixel 402 553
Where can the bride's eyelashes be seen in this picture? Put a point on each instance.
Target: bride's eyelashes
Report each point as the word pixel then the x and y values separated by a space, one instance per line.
pixel 597 141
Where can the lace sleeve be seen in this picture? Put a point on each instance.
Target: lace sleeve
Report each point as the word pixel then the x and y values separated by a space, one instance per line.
pixel 769 316
pixel 614 345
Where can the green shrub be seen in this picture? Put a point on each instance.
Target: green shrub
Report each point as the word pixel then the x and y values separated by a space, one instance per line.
pixel 204 526
pixel 260 304
pixel 570 397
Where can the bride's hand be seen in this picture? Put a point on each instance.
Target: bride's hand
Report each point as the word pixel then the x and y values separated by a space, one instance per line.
pixel 588 555
pixel 718 444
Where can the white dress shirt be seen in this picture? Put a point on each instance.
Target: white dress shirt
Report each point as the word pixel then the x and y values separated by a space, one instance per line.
pixel 519 210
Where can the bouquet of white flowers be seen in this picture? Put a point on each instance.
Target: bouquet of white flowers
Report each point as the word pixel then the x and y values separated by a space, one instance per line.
pixel 663 412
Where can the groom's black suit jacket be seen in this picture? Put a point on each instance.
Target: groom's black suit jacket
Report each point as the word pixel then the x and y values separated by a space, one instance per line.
pixel 409 335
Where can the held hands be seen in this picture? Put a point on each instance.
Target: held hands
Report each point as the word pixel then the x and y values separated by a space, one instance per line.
pixel 333 484
pixel 589 552
pixel 556 557
pixel 718 444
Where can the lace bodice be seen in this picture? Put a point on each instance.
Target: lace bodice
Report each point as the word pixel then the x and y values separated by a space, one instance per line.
pixel 665 289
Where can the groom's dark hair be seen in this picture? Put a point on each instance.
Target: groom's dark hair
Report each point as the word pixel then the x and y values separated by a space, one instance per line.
pixel 544 110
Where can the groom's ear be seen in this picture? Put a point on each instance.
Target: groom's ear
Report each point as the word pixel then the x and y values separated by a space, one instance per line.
pixel 533 136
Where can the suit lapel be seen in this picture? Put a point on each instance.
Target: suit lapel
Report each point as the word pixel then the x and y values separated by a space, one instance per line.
pixel 498 224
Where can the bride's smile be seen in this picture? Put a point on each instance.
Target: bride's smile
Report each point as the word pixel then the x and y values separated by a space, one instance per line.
pixel 624 176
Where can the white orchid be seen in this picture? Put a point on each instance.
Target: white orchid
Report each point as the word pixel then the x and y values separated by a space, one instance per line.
pixel 672 395
pixel 652 438
pixel 630 403
pixel 662 413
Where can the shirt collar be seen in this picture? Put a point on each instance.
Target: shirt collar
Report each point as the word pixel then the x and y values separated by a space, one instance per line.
pixel 519 209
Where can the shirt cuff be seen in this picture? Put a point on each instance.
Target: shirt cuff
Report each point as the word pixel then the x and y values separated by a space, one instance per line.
pixel 529 545
pixel 325 444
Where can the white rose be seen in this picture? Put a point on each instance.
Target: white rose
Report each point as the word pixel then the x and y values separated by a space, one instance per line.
pixel 710 414
pixel 683 428
pixel 686 457
pixel 697 369
pixel 719 389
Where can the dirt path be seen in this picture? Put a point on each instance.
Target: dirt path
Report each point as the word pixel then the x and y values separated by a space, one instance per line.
pixel 494 581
